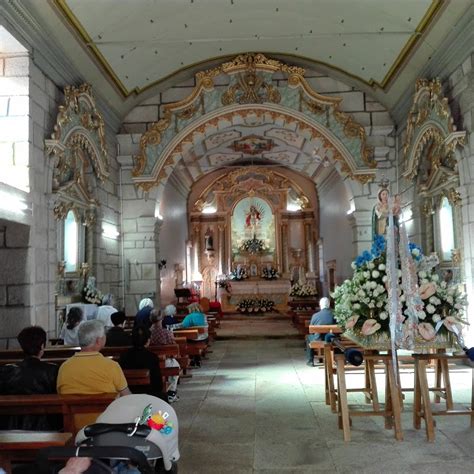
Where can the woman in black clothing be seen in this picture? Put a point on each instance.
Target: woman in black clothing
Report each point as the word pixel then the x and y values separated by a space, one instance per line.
pixel 138 357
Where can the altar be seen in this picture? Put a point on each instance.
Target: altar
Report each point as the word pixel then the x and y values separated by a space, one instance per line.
pixel 275 290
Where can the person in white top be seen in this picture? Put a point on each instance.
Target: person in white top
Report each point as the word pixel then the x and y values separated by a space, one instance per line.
pixel 71 327
pixel 106 310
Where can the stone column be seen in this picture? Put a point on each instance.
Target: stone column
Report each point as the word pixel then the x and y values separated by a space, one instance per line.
pixel 222 267
pixel 284 250
pixel 309 250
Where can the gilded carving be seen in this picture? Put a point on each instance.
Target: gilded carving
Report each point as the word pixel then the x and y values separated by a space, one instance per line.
pixel 250 88
pixel 430 124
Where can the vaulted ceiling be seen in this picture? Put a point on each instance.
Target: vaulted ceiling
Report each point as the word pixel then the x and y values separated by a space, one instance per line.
pixel 140 47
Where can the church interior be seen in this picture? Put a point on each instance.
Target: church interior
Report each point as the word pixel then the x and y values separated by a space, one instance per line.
pixel 238 154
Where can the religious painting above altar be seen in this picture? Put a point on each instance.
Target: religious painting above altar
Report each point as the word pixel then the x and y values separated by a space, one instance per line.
pixel 253 228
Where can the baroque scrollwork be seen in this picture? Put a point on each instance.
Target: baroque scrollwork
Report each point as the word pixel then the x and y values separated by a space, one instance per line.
pixel 431 135
pixel 250 85
pixel 78 148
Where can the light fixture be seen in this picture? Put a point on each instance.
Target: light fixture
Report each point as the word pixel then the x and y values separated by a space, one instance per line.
pixel 293 207
pixel 110 231
pixel 209 210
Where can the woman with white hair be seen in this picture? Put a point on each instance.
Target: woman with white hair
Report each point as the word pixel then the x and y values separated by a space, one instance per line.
pixel 170 313
pixel 322 317
pixel 106 310
pixel 142 318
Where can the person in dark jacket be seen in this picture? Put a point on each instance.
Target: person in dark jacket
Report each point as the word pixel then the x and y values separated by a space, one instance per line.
pixel 30 376
pixel 322 317
pixel 139 357
pixel 116 336
pixel 142 318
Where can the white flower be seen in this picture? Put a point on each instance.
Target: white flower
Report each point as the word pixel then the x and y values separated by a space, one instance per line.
pixel 436 318
pixel 415 252
pixel 371 304
pixel 421 315
pixel 430 308
pixel 385 278
pixel 432 300
pixel 375 274
pixel 379 304
pixel 353 266
pixel 370 265
pixel 443 284
pixel 434 277
pixel 383 316
pixel 356 306
pixel 373 285
pixel 361 293
pixel 366 274
pixel 450 300
pixel 381 267
pixel 422 274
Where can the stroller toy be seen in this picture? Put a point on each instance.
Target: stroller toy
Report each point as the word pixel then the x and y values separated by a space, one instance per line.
pixel 138 428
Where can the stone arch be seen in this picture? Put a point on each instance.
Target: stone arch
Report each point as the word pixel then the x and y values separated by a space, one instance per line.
pixel 250 93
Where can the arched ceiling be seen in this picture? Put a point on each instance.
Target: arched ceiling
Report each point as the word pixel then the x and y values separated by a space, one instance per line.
pixel 142 47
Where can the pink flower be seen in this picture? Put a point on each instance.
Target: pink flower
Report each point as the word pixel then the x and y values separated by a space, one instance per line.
pixel 370 327
pixel 427 290
pixel 426 331
pixel 351 322
pixel 452 324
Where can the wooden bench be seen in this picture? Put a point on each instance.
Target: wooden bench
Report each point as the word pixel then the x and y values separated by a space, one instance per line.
pixel 23 445
pixel 318 346
pixel 65 405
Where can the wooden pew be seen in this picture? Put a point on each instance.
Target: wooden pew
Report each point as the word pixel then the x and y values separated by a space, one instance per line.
pixel 318 346
pixel 23 445
pixel 65 405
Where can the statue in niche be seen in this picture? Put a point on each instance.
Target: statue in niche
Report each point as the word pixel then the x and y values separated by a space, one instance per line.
pixel 381 211
pixel 208 240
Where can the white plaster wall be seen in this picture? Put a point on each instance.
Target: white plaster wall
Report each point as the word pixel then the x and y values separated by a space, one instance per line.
pixel 336 230
pixel 173 236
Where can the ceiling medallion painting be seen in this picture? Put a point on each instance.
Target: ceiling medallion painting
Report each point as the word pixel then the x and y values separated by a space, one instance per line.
pixel 431 137
pixel 161 147
pixel 79 150
pixel 253 145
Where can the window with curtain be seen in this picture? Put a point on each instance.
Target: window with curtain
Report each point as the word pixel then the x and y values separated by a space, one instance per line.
pixel 71 242
pixel 446 229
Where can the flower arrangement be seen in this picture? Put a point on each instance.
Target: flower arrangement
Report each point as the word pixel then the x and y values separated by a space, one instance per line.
pixel 269 273
pixel 303 290
pixel 255 305
pixel 226 285
pixel 240 273
pixel 90 293
pixel 253 246
pixel 361 304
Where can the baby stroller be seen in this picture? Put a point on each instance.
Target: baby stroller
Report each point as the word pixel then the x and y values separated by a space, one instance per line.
pixel 140 429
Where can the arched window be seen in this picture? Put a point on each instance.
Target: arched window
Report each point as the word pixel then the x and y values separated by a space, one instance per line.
pixel 71 242
pixel 446 230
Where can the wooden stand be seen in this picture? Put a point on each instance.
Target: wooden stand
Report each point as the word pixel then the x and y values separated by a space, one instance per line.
pixel 422 405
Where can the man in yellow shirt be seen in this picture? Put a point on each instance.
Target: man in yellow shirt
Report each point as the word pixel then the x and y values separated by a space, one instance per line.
pixel 89 372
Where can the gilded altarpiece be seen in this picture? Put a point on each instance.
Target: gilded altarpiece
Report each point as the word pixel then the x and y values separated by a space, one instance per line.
pixel 248 233
pixel 430 161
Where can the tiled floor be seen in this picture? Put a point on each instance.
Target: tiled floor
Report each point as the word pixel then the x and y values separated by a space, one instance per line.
pixel 255 407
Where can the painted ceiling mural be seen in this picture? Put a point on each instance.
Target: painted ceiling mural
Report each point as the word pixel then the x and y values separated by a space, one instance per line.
pixel 212 125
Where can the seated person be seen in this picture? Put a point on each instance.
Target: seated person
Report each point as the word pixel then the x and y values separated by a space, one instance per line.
pixel 89 372
pixel 142 318
pixel 195 318
pixel 106 310
pixel 322 317
pixel 162 336
pixel 71 327
pixel 116 336
pixel 30 376
pixel 170 313
pixel 139 357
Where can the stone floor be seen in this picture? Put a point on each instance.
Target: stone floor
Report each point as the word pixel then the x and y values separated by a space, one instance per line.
pixel 255 407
